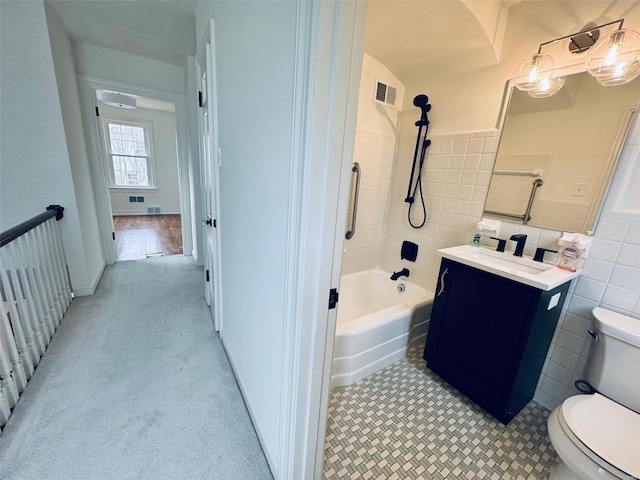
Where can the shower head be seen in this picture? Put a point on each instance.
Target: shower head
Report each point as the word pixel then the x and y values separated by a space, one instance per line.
pixel 422 102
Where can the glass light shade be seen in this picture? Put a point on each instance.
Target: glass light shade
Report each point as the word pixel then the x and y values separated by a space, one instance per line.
pixel 547 87
pixel 533 72
pixel 615 58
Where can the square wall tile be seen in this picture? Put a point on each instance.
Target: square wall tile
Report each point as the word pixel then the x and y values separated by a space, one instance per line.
pixel 629 255
pixel 475 145
pixel 610 229
pixel 633 234
pixel 628 277
pixel 621 298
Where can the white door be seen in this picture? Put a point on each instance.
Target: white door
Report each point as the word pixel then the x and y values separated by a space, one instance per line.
pixel 209 167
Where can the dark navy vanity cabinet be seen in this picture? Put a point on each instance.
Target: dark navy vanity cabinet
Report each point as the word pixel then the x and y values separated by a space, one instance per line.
pixel 489 336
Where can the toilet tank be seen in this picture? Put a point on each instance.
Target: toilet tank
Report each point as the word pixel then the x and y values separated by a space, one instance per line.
pixel 614 359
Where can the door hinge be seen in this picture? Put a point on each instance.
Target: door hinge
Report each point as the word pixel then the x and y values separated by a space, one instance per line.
pixel 215 223
pixel 97 111
pixel 113 234
pixel 200 103
pixel 333 298
pixel 207 275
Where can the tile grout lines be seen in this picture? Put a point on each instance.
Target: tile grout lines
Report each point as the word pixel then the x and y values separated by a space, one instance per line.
pixel 404 422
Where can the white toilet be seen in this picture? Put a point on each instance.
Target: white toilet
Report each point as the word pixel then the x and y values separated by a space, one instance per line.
pixel 597 436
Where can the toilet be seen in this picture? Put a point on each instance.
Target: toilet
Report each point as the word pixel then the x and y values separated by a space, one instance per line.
pixel 597 436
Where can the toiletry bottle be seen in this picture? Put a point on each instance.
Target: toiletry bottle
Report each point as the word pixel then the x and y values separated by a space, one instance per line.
pixel 569 256
pixel 476 241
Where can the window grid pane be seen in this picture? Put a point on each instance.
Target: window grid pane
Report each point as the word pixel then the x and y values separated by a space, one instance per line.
pixel 127 140
pixel 129 155
pixel 130 171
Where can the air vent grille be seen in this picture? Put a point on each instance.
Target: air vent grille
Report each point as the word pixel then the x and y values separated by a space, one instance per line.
pixel 385 94
pixel 154 210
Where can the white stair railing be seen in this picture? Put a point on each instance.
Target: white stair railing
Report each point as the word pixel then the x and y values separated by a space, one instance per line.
pixel 36 292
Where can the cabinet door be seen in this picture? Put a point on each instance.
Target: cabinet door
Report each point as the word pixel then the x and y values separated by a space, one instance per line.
pixel 479 328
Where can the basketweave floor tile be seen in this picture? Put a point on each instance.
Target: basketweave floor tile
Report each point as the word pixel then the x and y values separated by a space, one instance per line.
pixel 406 423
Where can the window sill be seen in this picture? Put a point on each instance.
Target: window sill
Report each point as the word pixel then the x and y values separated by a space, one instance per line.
pixel 133 189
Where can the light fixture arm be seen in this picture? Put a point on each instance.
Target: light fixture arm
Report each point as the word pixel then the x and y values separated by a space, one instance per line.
pixel 620 22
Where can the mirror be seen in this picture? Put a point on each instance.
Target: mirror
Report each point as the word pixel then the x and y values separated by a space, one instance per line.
pixel 557 154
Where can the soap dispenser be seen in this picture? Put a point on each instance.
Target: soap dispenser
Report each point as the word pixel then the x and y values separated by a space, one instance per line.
pixel 476 241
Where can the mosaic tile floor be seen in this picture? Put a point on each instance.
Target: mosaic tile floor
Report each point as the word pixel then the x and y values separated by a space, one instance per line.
pixel 404 422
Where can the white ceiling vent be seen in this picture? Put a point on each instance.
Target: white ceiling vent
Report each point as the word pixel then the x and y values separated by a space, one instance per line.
pixel 384 94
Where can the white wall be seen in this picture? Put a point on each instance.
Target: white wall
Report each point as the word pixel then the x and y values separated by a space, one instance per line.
pixel 255 64
pixel 375 148
pixel 39 163
pixel 165 162
pixel 124 67
pixel 79 159
pixel 458 170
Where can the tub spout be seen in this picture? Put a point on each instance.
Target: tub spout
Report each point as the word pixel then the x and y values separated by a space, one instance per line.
pixel 402 273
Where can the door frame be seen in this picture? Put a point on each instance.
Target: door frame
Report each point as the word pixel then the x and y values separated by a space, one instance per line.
pixel 87 85
pixel 210 170
pixel 328 65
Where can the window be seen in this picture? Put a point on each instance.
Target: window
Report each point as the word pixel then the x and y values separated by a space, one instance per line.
pixel 128 150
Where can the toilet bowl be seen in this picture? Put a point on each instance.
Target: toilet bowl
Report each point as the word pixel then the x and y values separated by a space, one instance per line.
pixel 597 436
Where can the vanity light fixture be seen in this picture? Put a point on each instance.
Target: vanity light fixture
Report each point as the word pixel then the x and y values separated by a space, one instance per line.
pixel 613 60
pixel 119 100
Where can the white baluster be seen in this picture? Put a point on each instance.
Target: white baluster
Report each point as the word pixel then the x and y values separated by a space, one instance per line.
pixel 8 384
pixel 27 252
pixel 61 261
pixel 44 277
pixel 18 369
pixel 30 323
pixel 16 324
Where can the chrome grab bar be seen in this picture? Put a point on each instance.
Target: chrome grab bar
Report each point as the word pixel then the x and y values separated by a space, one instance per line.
pixel 537 183
pixel 354 215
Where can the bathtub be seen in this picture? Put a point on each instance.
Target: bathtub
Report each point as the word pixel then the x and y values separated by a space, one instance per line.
pixel 376 323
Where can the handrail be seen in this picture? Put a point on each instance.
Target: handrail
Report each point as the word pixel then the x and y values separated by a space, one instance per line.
pixel 537 183
pixel 354 215
pixel 11 234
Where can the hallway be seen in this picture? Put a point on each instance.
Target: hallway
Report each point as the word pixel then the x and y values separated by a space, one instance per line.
pixel 135 384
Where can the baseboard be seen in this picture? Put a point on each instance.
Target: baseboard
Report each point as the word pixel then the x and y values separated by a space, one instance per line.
pixel 90 289
pixel 122 213
pixel 272 464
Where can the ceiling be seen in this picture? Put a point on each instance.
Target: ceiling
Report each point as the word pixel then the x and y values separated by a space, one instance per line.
pixel 411 37
pixel 419 39
pixel 161 30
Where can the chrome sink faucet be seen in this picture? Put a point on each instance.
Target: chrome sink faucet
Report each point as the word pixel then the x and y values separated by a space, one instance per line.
pixel 520 239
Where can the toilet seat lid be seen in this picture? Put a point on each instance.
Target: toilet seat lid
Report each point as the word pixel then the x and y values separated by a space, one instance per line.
pixel 607 428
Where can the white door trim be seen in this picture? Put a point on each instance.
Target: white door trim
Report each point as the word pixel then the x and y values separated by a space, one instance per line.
pixel 211 163
pixel 327 75
pixel 93 133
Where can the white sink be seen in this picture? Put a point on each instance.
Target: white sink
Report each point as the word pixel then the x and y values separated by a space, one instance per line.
pixel 520 269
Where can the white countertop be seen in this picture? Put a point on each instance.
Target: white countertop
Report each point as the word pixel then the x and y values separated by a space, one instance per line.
pixel 524 270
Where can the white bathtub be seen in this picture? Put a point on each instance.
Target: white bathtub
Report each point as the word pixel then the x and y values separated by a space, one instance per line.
pixel 376 323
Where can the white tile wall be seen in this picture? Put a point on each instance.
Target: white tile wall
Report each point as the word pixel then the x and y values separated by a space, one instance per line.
pixel 375 153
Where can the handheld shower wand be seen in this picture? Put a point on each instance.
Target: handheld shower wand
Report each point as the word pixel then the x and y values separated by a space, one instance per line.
pixel 422 102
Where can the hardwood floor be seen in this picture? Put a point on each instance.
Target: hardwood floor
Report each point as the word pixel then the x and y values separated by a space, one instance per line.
pixel 144 236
